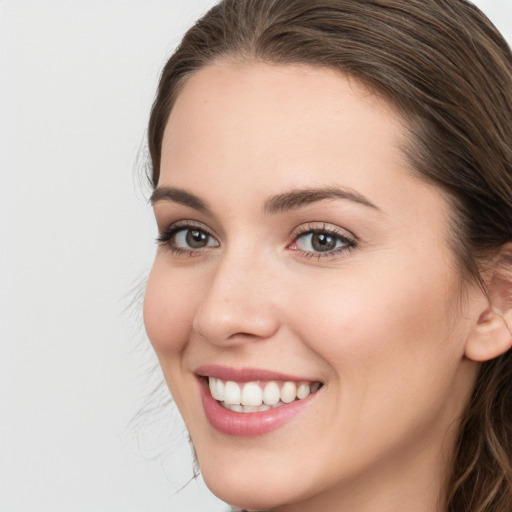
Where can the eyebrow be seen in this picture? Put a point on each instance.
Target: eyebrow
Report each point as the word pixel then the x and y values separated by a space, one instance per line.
pixel 178 195
pixel 298 198
pixel 280 203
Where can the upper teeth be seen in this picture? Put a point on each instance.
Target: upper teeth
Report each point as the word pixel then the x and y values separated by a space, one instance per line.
pixel 256 394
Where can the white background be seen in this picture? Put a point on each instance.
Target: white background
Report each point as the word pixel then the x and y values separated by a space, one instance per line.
pixel 76 235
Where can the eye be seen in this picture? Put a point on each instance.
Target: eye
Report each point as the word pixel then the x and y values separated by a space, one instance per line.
pixel 321 241
pixel 188 238
pixel 193 239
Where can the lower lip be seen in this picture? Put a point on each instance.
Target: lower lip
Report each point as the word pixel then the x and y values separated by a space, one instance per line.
pixel 249 424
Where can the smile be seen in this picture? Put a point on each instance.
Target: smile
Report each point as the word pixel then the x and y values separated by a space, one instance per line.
pixel 251 397
pixel 246 402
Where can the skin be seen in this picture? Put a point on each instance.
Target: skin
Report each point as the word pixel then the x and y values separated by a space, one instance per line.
pixel 383 325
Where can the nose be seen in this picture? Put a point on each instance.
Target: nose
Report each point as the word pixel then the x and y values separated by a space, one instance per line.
pixel 239 305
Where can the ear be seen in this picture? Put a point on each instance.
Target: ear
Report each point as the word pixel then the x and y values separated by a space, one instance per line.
pixel 492 334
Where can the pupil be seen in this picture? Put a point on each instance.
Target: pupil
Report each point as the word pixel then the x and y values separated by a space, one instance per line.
pixel 196 239
pixel 322 242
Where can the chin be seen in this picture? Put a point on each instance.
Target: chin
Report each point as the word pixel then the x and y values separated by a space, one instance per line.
pixel 250 484
pixel 249 496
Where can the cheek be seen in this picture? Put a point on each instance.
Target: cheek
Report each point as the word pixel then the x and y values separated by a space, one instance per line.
pixel 391 356
pixel 378 331
pixel 168 310
pixel 354 312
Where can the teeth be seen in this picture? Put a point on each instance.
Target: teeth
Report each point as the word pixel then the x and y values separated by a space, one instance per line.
pixel 232 393
pixel 217 389
pixel 288 392
pixel 252 395
pixel 250 408
pixel 234 407
pixel 212 385
pixel 256 397
pixel 303 390
pixel 271 393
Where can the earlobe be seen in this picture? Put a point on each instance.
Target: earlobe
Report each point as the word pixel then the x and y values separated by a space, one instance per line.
pixel 492 334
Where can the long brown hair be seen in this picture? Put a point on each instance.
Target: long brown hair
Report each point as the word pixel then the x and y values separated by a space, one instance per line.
pixel 448 71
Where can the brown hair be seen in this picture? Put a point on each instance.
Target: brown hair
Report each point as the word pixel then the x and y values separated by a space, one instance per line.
pixel 448 71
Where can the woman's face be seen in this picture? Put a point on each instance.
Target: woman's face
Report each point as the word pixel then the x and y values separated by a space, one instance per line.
pixel 297 247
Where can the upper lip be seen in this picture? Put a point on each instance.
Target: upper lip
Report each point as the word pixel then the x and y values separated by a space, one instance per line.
pixel 245 374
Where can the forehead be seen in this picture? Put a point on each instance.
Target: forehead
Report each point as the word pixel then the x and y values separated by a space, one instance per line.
pixel 254 130
pixel 282 112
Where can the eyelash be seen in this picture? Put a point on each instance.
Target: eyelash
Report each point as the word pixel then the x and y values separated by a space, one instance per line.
pixel 302 231
pixel 166 238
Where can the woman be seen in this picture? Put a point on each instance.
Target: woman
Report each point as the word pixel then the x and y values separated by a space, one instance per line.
pixel 331 299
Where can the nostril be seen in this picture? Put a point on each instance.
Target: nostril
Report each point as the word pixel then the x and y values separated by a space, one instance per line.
pixel 248 335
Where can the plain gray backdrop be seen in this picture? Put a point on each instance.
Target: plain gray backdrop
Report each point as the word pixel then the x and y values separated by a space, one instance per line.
pixel 76 234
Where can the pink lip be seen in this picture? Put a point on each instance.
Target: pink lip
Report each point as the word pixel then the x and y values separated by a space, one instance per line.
pixel 245 374
pixel 248 424
pixel 252 424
